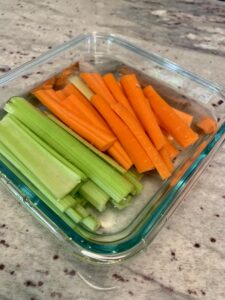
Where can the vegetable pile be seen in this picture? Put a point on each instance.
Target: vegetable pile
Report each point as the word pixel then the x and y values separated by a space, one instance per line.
pixel 98 128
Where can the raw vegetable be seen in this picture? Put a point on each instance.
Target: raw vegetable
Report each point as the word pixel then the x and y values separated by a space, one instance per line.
pixel 187 118
pixel 172 151
pixel 66 205
pixel 81 86
pixel 93 194
pixel 124 135
pixel 102 155
pixel 143 139
pixel 106 177
pixel 116 91
pixel 97 85
pixel 166 158
pixel 95 136
pixel 119 154
pixel 182 133
pixel 142 109
pixel 208 125
pixel 62 179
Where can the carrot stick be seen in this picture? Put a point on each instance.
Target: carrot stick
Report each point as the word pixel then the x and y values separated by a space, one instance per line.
pixel 208 125
pixel 116 91
pixel 69 89
pixel 97 85
pixel 52 94
pixel 143 139
pixel 142 109
pixel 187 118
pixel 88 113
pixel 119 154
pixel 126 138
pixel 166 158
pixel 87 131
pixel 172 151
pixel 116 150
pixel 183 134
pixel 60 95
pixel 83 101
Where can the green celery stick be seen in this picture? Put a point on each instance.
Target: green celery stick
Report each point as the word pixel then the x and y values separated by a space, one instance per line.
pixel 68 204
pixel 80 200
pixel 93 194
pixel 51 150
pixel 133 179
pixel 123 204
pixel 91 223
pixel 105 176
pixel 57 178
pixel 107 158
pixel 62 205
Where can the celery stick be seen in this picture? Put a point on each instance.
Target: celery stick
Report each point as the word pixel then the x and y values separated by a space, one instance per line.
pixel 123 204
pixel 91 223
pixel 28 183
pixel 80 200
pixel 50 150
pixel 57 178
pixel 107 158
pixel 81 86
pixel 106 177
pixel 62 205
pixel 93 194
pixel 69 205
pixel 137 184
pixel 74 215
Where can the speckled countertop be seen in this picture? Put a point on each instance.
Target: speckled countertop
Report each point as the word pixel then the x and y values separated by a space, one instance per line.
pixel 187 259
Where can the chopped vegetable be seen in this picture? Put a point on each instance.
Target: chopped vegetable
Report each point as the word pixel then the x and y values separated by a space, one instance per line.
pixel 208 125
pixel 81 86
pixel 183 134
pixel 97 85
pixel 95 136
pixel 124 135
pixel 119 154
pixel 142 109
pixel 93 194
pixel 29 152
pixel 166 158
pixel 105 157
pixel 106 177
pixel 143 139
pixel 187 118
pixel 172 151
pixel 116 91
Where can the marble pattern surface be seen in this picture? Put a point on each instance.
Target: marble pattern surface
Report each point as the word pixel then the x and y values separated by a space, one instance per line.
pixel 187 259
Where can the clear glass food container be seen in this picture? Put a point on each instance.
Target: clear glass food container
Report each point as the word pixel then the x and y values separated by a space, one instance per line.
pixel 127 232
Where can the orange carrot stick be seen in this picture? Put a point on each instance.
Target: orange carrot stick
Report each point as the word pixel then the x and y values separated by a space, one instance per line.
pixel 208 125
pixel 172 151
pixel 126 138
pixel 187 118
pixel 52 94
pixel 85 110
pixel 97 85
pixel 143 139
pixel 142 109
pixel 119 154
pixel 166 158
pixel 87 131
pixel 71 89
pixel 116 91
pixel 60 95
pixel 183 134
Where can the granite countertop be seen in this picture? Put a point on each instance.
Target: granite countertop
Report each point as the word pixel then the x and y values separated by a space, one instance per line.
pixel 187 259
